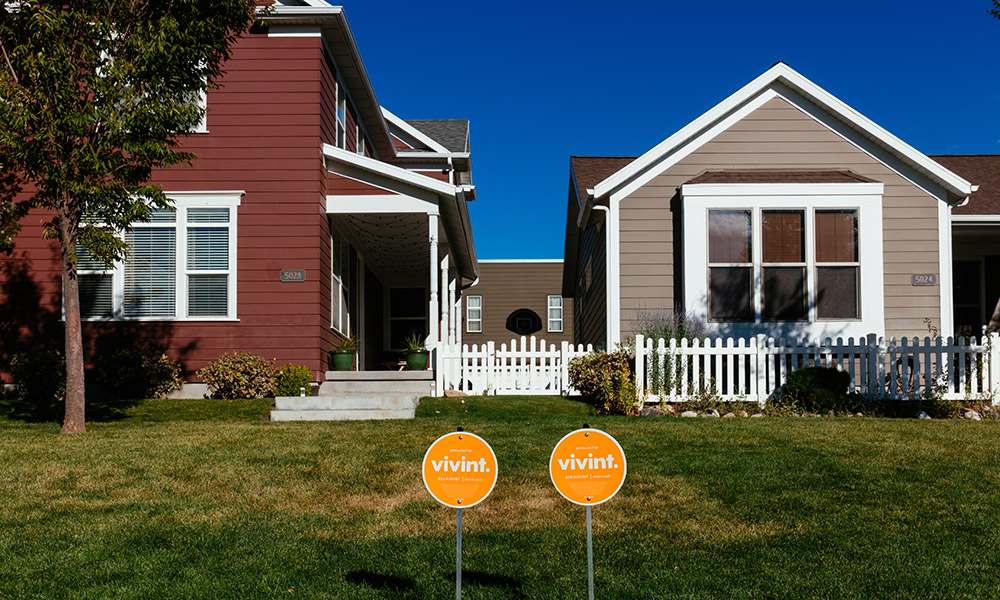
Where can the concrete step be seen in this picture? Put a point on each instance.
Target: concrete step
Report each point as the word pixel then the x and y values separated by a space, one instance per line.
pixel 339 415
pixel 379 376
pixel 344 402
pixel 358 388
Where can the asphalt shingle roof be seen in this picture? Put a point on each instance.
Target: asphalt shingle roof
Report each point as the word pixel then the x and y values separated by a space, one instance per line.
pixel 591 170
pixel 453 134
pixel 978 169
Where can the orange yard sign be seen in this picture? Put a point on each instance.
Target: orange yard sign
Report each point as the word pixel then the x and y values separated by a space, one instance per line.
pixel 460 469
pixel 587 467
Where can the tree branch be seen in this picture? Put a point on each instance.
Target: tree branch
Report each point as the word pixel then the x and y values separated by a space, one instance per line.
pixel 9 65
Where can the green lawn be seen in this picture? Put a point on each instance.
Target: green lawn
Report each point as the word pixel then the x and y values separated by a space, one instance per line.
pixel 207 499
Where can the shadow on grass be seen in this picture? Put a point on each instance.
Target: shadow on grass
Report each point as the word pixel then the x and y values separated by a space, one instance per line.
pixel 480 579
pixel 380 581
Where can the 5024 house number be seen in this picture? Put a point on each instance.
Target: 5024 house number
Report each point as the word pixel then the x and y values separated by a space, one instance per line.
pixel 924 279
pixel 293 275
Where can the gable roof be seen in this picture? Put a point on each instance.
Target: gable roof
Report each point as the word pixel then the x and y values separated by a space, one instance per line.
pixel 453 134
pixel 781 76
pixel 984 171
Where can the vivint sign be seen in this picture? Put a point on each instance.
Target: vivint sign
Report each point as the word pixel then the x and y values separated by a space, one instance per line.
pixel 587 467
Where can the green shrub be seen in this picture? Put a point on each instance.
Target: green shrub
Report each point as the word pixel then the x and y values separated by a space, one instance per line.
pixel 135 372
pixel 239 375
pixel 605 379
pixel 817 390
pixel 40 380
pixel 290 379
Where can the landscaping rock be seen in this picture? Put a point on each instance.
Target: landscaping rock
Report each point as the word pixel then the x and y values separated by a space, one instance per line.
pixel 744 414
pixel 859 414
pixel 711 413
pixel 729 416
pixel 454 394
pixel 670 409
pixel 989 413
pixel 973 416
pixel 689 413
pixel 922 415
pixel 652 411
pixel 757 416
pixel 796 414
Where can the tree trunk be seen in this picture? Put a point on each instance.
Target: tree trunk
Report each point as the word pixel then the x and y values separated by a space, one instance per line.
pixel 74 421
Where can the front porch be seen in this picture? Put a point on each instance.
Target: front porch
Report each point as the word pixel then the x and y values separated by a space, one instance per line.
pixel 358 395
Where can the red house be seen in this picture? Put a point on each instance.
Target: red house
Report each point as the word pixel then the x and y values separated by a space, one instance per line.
pixel 310 214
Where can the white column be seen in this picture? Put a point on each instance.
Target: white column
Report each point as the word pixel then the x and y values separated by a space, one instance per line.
pixel 453 309
pixel 445 306
pixel 433 315
pixel 360 333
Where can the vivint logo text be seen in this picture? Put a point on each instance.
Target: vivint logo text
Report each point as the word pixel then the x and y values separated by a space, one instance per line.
pixel 573 463
pixel 460 466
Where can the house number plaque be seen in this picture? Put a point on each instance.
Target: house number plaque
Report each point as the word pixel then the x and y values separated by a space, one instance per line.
pixel 293 275
pixel 924 279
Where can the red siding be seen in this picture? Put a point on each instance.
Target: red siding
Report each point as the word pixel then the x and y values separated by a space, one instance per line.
pixel 266 124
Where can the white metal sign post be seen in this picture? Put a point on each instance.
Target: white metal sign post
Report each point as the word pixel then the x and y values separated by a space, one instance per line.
pixel 459 471
pixel 588 467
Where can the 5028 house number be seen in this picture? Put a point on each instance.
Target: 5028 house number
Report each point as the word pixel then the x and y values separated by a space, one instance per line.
pixel 924 279
pixel 293 275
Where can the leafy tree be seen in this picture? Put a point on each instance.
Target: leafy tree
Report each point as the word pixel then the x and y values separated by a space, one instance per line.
pixel 95 95
pixel 995 11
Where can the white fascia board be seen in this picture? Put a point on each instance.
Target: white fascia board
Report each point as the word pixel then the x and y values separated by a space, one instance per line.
pixel 783 73
pixel 378 203
pixel 413 132
pixel 516 261
pixel 947 299
pixel 316 9
pixel 692 190
pixel 404 153
pixel 390 171
pixel 207 198
pixel 278 30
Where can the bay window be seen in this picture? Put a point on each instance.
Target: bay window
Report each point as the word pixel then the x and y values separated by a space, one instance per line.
pixel 784 258
pixel 181 265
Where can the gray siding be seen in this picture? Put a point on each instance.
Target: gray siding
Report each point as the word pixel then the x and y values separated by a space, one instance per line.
pixel 774 137
pixel 506 287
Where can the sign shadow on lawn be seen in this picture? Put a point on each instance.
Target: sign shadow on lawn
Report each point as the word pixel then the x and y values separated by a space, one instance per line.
pixel 480 579
pixel 381 581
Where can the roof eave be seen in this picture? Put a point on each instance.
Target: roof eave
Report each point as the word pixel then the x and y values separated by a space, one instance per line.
pixel 956 187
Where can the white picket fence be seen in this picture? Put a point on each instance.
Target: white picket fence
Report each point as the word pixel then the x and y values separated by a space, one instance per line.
pixel 752 369
pixel 527 368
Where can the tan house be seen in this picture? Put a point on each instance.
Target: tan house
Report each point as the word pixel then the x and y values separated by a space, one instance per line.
pixel 780 211
pixel 515 298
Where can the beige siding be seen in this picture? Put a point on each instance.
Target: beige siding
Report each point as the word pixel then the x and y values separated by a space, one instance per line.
pixel 506 287
pixel 779 136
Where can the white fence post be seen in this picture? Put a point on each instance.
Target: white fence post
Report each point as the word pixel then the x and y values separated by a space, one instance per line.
pixel 872 360
pixel 490 368
pixel 761 361
pixel 640 366
pixel 564 368
pixel 994 366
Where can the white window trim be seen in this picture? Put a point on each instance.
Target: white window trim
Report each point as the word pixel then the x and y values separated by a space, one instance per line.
pixel 202 101
pixel 548 316
pixel 866 198
pixel 468 310
pixel 183 201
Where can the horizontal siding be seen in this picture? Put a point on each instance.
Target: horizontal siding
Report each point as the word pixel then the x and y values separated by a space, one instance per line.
pixel 778 136
pixel 265 125
pixel 506 287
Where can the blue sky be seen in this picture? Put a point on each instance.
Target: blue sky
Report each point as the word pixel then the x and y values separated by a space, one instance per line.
pixel 544 81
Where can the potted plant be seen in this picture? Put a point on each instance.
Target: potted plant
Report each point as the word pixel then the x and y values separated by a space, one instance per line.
pixel 343 354
pixel 415 352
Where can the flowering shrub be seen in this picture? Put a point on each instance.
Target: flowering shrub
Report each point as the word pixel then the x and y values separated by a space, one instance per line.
pixel 606 380
pixel 239 375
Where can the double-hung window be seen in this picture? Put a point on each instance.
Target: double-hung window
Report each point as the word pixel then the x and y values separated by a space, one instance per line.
pixel 474 314
pixel 181 265
pixel 555 321
pixel 341 266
